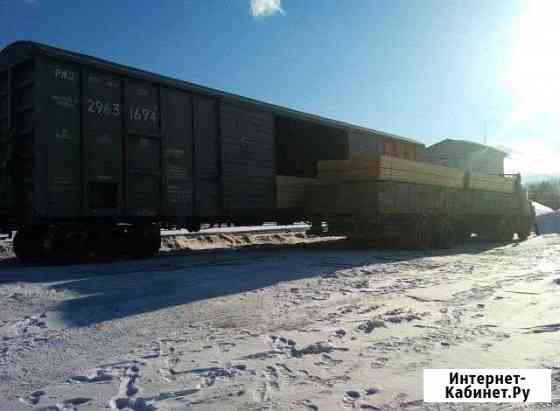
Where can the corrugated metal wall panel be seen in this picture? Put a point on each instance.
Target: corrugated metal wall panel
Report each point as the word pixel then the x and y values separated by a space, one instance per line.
pixel 29 165
pixel 206 157
pixel 177 152
pixel 143 155
pixel 143 195
pixel 247 139
pixel 102 120
pixel 142 108
pixel 142 149
pixel 59 124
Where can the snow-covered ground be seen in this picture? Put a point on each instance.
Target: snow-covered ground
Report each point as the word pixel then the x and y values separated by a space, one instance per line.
pixel 312 325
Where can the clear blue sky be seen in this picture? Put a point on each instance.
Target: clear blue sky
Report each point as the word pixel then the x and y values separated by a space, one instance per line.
pixel 425 69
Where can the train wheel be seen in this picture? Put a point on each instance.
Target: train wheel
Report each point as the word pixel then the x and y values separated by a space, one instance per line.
pixel 63 242
pixel 316 226
pixel 524 229
pixel 104 245
pixel 145 241
pixel 461 233
pixel 523 234
pixel 503 231
pixel 155 241
pixel 50 244
pixel 27 245
pixel 193 226
pixel 75 245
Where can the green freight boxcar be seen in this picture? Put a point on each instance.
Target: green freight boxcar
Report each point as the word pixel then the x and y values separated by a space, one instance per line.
pixel 96 156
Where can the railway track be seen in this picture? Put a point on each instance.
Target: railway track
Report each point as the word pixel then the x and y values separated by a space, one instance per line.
pixel 264 229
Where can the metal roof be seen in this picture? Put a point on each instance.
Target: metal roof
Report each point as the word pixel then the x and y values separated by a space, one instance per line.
pixel 61 54
pixel 465 145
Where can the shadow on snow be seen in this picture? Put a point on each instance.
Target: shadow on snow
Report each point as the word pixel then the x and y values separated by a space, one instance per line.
pixel 109 291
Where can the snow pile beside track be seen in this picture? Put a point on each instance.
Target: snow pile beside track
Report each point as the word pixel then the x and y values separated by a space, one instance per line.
pixel 218 241
pixel 541 209
pixel 212 241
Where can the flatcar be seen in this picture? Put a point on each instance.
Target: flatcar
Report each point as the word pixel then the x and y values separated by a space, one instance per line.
pixel 390 201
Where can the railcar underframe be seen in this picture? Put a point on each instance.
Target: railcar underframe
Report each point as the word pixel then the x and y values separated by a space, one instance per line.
pixel 428 217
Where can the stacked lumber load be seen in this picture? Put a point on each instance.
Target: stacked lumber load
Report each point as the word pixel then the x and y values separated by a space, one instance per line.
pixel 291 191
pixel 490 182
pixel 387 168
pixel 362 183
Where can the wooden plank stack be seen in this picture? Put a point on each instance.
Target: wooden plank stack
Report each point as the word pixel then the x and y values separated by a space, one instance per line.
pixel 489 182
pixel 352 183
pixel 291 191
pixel 387 168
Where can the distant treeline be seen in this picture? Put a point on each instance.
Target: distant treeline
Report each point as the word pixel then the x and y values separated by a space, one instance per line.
pixel 546 192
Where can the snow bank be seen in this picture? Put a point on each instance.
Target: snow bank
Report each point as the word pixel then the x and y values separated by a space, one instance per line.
pixel 541 208
pixel 547 221
pixel 223 240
